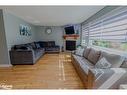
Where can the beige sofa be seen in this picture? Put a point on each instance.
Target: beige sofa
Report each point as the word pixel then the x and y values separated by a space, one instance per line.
pixel 103 77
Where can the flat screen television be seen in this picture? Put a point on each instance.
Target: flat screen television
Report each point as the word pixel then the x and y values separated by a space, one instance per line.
pixel 69 30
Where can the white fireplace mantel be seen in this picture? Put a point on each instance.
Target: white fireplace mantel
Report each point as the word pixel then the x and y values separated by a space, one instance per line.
pixel 70 38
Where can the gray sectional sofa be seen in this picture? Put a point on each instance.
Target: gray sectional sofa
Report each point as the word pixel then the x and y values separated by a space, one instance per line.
pixel 49 46
pixel 29 53
pixel 25 54
pixel 96 73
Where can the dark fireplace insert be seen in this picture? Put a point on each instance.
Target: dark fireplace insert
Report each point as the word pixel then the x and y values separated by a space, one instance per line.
pixel 70 45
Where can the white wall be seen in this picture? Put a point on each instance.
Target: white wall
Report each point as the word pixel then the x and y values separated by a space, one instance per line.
pixel 4 55
pixel 13 36
pixel 56 35
pixel 10 35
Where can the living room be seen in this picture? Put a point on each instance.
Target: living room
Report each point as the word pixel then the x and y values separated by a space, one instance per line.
pixel 63 47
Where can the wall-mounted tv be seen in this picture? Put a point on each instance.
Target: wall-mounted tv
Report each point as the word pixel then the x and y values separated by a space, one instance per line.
pixel 69 30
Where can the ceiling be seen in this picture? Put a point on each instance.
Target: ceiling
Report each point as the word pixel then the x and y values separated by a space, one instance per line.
pixel 53 15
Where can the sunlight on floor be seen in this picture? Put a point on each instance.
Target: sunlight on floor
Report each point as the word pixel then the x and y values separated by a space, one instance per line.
pixel 52 71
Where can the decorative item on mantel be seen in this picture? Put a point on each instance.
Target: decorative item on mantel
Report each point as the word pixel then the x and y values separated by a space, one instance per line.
pixel 74 36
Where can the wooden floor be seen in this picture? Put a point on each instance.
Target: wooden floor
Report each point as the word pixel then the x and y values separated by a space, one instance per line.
pixel 52 71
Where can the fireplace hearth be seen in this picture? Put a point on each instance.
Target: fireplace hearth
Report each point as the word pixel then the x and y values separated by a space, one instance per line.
pixel 70 45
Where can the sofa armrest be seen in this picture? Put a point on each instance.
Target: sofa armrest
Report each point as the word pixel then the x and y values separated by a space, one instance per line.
pixel 22 56
pixel 106 78
pixel 91 79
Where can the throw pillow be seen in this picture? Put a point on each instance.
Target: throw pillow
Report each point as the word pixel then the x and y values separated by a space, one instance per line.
pixel 103 64
pixel 115 60
pixel 38 46
pixel 86 52
pixel 79 51
pixel 33 45
pixel 30 47
pixel 93 56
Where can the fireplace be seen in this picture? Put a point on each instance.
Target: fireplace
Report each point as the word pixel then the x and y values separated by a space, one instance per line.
pixel 70 45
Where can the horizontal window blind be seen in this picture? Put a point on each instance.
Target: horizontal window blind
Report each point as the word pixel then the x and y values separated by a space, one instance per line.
pixel 113 28
pixel 108 28
pixel 85 33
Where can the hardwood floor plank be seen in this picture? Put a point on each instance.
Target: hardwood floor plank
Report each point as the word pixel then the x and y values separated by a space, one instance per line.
pixel 52 71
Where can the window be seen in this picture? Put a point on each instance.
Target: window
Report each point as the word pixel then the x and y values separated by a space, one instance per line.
pixel 109 32
pixel 85 34
pixel 110 44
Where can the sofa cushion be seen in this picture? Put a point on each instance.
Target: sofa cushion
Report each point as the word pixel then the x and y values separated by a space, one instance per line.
pixel 51 43
pixel 86 52
pixel 115 60
pixel 103 64
pixel 29 45
pixel 52 48
pixel 84 63
pixel 21 47
pixel 43 44
pixel 94 56
pixel 33 45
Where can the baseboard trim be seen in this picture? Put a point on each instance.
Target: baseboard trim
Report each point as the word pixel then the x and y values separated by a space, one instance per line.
pixel 5 65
